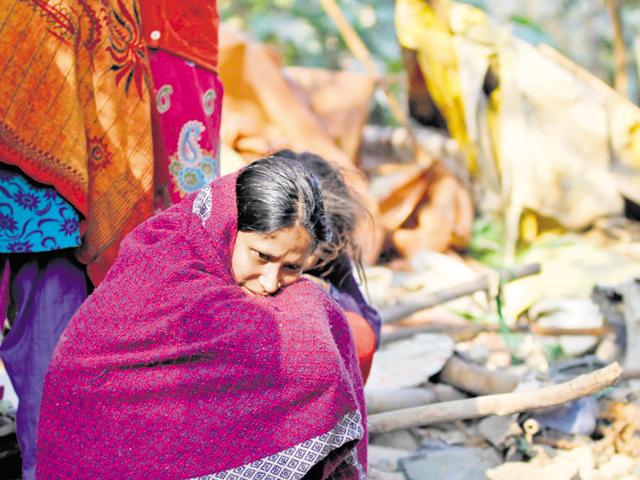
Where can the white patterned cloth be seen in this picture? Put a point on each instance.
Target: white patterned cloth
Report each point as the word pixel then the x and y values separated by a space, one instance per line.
pixel 203 204
pixel 295 462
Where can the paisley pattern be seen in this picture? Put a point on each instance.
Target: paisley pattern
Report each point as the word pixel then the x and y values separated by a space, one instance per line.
pixel 34 218
pixel 163 98
pixel 192 167
pixel 209 101
pixel 188 106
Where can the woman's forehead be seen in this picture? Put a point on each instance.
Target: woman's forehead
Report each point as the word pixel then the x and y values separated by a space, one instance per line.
pixel 284 242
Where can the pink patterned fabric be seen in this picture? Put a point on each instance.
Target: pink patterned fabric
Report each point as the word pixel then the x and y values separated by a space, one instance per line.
pixel 186 121
pixel 170 371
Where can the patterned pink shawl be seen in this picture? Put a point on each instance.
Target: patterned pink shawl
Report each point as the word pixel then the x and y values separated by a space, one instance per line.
pixel 169 371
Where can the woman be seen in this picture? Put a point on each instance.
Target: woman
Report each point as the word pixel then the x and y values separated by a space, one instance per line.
pixel 105 88
pixel 203 354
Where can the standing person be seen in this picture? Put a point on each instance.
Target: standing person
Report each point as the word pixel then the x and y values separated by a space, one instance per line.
pixel 203 354
pixel 91 99
pixel 38 231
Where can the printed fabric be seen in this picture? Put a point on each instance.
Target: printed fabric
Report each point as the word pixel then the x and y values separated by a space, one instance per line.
pixel 169 370
pixel 75 114
pixel 34 218
pixel 188 108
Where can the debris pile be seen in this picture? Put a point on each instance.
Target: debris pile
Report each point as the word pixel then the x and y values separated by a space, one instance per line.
pixel 543 397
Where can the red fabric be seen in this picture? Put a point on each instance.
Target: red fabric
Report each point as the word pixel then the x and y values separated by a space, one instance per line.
pixel 188 28
pixel 170 371
pixel 365 342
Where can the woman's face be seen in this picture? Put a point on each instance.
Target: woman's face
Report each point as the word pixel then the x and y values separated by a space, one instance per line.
pixel 263 263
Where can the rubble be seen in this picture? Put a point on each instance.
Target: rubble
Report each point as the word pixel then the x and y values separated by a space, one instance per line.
pixel 411 362
pixel 474 346
pixel 455 463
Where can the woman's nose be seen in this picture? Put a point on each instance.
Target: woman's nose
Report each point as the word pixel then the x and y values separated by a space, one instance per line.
pixel 270 280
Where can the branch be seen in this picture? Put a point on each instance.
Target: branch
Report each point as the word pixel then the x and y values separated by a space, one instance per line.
pixel 502 404
pixel 359 50
pixel 619 48
pixel 399 311
pixel 477 379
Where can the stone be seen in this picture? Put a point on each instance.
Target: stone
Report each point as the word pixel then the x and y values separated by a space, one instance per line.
pixel 497 430
pixel 398 439
pixel 577 417
pixel 409 363
pixel 569 313
pixel 385 459
pixel 452 463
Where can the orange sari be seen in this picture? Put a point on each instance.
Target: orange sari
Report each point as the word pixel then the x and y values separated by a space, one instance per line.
pixel 75 83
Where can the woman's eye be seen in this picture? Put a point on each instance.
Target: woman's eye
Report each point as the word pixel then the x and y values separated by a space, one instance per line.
pixel 263 256
pixel 294 268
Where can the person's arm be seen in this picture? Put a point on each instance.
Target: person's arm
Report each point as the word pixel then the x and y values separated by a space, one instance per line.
pixel 345 290
pixel 363 319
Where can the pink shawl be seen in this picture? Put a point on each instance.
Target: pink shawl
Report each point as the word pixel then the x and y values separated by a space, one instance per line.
pixel 169 371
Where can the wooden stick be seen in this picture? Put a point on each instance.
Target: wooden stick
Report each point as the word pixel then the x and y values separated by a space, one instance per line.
pixel 556 332
pixel 387 399
pixel 621 80
pixel 359 50
pixel 631 374
pixel 354 43
pixel 458 332
pixel 470 331
pixel 475 378
pixel 502 404
pixel 402 310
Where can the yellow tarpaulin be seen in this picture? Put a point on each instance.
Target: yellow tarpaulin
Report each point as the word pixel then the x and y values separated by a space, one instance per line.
pixel 550 139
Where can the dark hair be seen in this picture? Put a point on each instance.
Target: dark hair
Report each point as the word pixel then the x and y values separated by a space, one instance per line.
pixel 275 193
pixel 341 206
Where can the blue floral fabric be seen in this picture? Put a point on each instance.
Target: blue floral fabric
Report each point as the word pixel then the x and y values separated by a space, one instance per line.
pixel 34 218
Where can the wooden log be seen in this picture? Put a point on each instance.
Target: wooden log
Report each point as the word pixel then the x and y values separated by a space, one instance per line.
pixel 501 404
pixel 475 378
pixel 402 310
pixel 631 374
pixel 468 332
pixel 386 399
pixel 460 333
